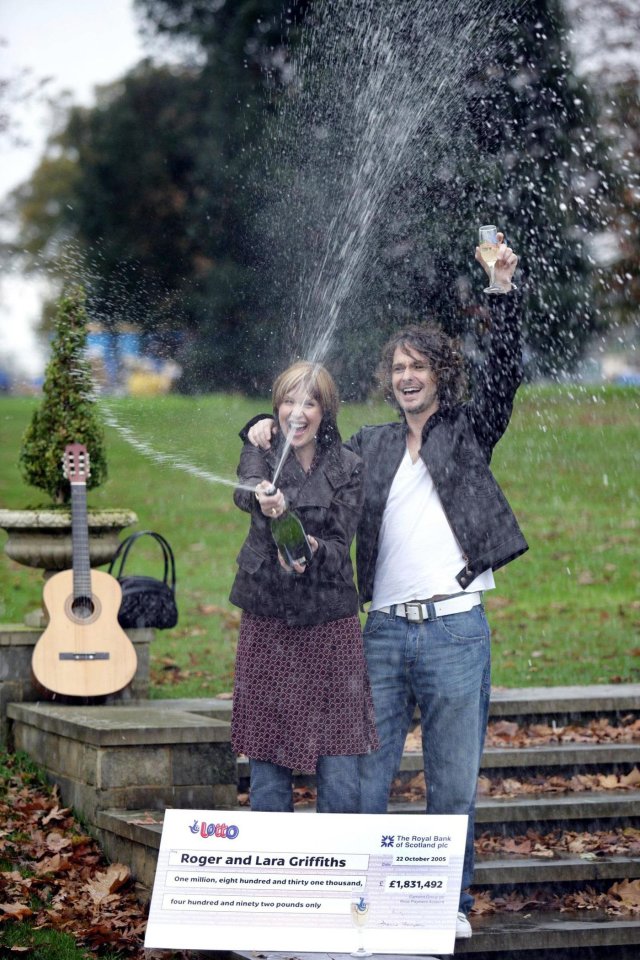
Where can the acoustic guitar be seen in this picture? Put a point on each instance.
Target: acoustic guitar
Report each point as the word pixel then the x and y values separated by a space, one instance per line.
pixel 83 652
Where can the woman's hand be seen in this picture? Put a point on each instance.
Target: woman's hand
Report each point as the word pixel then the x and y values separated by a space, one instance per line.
pixel 261 432
pixel 271 504
pixel 298 567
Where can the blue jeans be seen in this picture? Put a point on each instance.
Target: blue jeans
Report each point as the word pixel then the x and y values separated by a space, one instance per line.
pixel 336 778
pixel 443 666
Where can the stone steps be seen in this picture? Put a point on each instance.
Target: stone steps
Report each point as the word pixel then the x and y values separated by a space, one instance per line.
pixel 573 810
pixel 126 758
pixel 152 742
pixel 613 699
pixel 537 934
pixel 562 757
pixel 132 837
pixel 552 936
pixel 531 937
pixel 566 755
pixel 144 827
pixel 560 870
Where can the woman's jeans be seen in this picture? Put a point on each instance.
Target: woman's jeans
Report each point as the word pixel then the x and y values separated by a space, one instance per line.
pixel 443 666
pixel 337 782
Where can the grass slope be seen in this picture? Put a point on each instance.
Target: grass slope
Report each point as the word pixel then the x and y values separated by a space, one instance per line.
pixel 567 612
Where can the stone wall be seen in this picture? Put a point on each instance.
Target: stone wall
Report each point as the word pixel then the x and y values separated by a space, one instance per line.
pixel 17 684
pixel 128 757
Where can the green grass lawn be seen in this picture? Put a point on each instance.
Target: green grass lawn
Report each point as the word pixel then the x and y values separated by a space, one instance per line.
pixel 566 612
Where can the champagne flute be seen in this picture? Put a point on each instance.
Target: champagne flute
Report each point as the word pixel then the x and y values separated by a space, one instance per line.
pixel 489 247
pixel 359 912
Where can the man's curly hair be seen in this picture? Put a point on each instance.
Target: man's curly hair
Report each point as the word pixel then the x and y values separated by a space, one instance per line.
pixel 442 354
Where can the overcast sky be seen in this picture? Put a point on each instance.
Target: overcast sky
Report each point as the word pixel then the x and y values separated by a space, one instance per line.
pixel 78 44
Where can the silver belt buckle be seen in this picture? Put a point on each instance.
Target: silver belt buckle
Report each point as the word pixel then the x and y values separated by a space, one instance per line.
pixel 414 612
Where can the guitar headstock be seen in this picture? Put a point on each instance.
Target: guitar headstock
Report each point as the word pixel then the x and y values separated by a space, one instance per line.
pixel 75 463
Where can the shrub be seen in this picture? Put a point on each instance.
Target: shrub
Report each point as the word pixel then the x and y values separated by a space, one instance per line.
pixel 67 413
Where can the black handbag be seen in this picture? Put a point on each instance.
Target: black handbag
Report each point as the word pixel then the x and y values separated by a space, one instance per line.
pixel 146 602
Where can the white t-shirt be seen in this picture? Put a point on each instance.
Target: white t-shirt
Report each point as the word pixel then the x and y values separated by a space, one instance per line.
pixel 418 554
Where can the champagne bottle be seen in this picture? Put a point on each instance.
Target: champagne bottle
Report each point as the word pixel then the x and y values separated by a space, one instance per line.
pixel 290 538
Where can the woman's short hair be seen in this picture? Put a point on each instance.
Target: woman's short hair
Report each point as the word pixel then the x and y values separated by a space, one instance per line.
pixel 320 385
pixel 442 354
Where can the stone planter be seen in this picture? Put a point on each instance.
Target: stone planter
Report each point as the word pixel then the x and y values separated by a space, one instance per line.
pixel 42 538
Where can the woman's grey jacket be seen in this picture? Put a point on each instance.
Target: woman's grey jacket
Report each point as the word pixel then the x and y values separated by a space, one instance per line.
pixel 328 501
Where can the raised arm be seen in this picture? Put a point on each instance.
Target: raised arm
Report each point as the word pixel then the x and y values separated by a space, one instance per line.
pixel 498 379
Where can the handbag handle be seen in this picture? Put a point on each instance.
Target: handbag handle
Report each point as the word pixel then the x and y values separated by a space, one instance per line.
pixel 125 546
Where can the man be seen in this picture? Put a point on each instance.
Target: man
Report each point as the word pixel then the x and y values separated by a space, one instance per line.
pixel 434 527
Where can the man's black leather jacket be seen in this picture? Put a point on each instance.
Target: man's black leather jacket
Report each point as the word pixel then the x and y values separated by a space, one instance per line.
pixel 457 447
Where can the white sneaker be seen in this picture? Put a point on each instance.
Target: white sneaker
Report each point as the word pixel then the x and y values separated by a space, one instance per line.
pixel 463 927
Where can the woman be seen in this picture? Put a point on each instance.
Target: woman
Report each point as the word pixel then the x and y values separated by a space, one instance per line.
pixel 301 698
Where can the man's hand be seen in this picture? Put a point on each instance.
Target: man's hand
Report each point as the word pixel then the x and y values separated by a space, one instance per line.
pixel 504 268
pixel 261 432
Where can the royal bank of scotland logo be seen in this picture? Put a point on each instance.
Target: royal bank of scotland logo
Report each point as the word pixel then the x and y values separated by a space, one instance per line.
pixel 387 841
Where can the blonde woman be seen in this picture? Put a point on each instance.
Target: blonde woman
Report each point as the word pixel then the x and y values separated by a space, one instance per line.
pixel 301 695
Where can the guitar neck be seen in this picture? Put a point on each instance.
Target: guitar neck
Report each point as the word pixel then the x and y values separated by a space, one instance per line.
pixel 80 541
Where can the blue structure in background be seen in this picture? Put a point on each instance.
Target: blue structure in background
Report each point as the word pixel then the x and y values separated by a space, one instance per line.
pixel 112 352
pixel 125 360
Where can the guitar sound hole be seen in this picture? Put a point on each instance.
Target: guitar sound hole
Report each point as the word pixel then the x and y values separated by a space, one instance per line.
pixel 83 608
